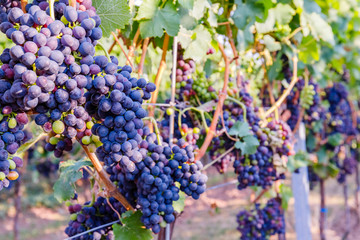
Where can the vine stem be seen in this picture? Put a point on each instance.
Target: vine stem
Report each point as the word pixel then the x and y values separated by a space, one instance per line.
pixel 159 74
pixel 218 158
pixel 260 195
pixel 122 49
pixel 157 132
pixel 51 8
pixel 143 54
pixel 194 109
pixel 113 44
pixel 222 97
pixel 133 45
pixel 242 105
pixel 23 5
pixel 111 188
pixel 286 92
pixel 73 3
pixel 102 47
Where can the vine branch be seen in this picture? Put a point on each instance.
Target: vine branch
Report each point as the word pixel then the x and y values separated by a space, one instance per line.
pixel 222 97
pixel 159 74
pixel 122 49
pixel 113 191
pixel 286 92
pixel 143 54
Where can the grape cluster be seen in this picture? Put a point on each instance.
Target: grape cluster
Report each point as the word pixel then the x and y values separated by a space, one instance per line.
pixel 91 215
pixel 144 170
pixel 253 169
pixel 261 223
pixel 5 6
pixel 184 80
pixel 12 137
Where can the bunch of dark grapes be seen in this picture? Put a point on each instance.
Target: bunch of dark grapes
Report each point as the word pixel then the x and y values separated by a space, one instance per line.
pixel 253 169
pixel 339 119
pixel 92 215
pixel 144 170
pixel 261 223
pixel 12 137
pixel 47 167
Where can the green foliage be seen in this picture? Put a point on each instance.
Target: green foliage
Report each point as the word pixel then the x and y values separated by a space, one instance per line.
pixel 70 172
pixel 286 195
pixel 131 228
pixel 247 142
pixel 195 42
pixel 154 19
pixel 114 14
pixel 300 159
pixel 179 205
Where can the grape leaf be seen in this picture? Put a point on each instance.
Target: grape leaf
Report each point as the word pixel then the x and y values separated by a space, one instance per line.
pixel 37 133
pixel 240 129
pixel 199 9
pixel 154 19
pixel 114 14
pixel 248 145
pixel 179 205
pixel 335 139
pixel 64 187
pixel 271 44
pixel 189 4
pixel 285 194
pixel 247 13
pixel 300 159
pixel 308 50
pixel 269 23
pixel 199 45
pixel 283 13
pixel 132 228
pixel 274 69
pixel 320 29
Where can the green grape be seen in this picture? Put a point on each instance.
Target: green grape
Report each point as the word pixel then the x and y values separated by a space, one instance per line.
pixel 73 216
pixel 54 140
pixel 92 147
pixel 12 123
pixel 86 140
pixel 169 111
pixel 89 125
pixel 2 176
pixel 68 203
pixel 58 127
pixel 12 164
pixel 95 138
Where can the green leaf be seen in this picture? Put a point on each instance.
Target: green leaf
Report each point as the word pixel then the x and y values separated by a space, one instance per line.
pixel 37 133
pixel 248 145
pixel 114 14
pixel 240 129
pixel 320 29
pixel 195 42
pixel 271 44
pixel 131 228
pixel 179 205
pixel 247 13
pixel 199 9
pixel 274 69
pixel 268 25
pixel 322 155
pixel 189 4
pixel 64 187
pixel 325 171
pixel 283 13
pixel 285 194
pixel 308 50
pixel 300 159
pixel 335 139
pixel 153 19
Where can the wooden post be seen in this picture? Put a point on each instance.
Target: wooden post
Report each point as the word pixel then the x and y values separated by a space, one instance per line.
pixel 300 188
